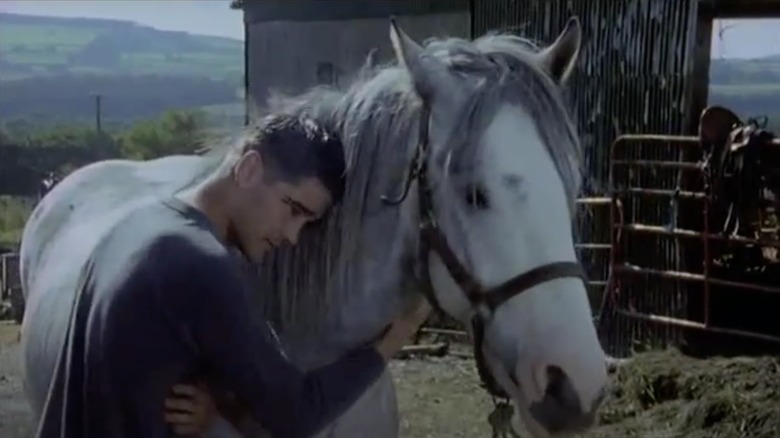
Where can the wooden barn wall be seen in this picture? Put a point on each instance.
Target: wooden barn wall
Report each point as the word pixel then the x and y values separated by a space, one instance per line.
pixel 292 56
pixel 635 75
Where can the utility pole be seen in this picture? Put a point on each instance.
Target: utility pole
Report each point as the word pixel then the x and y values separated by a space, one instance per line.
pixel 98 112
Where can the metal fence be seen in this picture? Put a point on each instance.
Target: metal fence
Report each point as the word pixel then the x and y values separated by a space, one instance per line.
pixel 11 285
pixel 716 288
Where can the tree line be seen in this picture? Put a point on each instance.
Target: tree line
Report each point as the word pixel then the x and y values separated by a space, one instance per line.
pixel 69 98
pixel 27 156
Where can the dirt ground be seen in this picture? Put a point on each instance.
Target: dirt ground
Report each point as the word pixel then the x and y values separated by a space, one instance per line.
pixel 14 416
pixel 656 395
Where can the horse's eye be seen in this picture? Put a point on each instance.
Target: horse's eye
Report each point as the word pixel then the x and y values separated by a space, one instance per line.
pixel 476 197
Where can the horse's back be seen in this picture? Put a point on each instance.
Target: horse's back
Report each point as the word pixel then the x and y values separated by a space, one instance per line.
pixel 88 201
pixel 59 237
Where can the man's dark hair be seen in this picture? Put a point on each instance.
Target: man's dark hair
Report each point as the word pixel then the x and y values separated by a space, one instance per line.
pixel 294 148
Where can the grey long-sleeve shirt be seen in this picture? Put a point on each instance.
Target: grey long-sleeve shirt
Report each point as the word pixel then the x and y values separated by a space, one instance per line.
pixel 161 299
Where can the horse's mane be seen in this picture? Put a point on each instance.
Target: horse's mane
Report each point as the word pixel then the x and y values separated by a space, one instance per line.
pixel 376 117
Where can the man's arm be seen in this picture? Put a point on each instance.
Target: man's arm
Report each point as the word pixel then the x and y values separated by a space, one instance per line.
pixel 208 293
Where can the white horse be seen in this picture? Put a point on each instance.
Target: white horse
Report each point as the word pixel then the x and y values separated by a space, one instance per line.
pixel 496 160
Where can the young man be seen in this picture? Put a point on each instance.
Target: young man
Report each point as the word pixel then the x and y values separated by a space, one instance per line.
pixel 163 299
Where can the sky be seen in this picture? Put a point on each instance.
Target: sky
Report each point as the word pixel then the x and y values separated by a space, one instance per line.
pixel 731 39
pixel 207 17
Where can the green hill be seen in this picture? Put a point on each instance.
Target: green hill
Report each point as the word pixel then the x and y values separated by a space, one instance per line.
pixel 35 46
pixel 50 67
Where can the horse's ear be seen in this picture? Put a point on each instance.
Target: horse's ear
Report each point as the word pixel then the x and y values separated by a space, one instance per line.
pixel 560 57
pixel 426 71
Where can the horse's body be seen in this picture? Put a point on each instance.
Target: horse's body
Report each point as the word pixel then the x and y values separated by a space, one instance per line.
pixel 63 230
pixel 348 278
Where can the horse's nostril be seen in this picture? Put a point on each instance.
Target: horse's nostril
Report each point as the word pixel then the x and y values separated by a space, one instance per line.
pixel 557 385
pixel 560 409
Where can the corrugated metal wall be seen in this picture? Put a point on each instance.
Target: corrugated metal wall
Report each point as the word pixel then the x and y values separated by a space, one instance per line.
pixel 635 76
pixel 634 67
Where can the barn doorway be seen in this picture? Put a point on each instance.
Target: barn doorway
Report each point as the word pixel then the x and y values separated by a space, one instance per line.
pixel 741 263
pixel 745 68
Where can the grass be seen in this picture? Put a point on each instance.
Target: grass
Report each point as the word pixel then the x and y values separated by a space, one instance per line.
pixel 746 89
pixel 14 212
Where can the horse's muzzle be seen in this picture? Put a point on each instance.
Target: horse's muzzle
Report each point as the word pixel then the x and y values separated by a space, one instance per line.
pixel 560 410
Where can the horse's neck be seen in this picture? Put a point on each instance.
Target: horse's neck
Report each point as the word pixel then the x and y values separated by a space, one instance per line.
pixel 376 289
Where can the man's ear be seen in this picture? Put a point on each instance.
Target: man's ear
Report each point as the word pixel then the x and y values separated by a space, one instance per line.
pixel 248 169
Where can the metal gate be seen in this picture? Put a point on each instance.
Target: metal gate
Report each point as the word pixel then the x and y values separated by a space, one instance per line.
pixel 670 272
pixel 11 285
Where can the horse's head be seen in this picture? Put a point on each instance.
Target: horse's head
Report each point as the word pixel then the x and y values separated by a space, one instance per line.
pixel 499 176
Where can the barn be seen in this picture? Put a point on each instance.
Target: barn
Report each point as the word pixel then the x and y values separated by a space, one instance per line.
pixel 643 71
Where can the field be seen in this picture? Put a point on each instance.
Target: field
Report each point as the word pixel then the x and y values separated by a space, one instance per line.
pixel 656 395
pixel 745 90
pixel 31 46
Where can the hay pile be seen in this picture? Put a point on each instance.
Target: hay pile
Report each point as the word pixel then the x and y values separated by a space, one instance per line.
pixel 666 394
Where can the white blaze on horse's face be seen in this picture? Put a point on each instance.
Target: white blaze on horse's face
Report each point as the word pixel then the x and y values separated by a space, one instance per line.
pixel 544 337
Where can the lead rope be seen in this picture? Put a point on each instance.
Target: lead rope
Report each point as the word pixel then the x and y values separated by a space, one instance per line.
pixel 500 419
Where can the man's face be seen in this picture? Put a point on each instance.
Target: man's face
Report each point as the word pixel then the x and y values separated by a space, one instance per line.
pixel 269 212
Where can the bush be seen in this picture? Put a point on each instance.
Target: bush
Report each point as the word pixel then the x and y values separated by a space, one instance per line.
pixel 14 212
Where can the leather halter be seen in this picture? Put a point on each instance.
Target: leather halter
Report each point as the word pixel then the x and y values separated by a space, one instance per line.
pixel 484 301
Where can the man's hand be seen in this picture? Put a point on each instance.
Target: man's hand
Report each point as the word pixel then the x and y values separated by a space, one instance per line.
pixel 191 410
pixel 401 331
